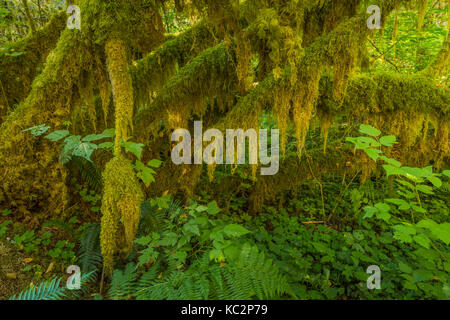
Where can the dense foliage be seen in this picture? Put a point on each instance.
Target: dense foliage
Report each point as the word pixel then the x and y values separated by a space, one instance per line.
pixel 86 118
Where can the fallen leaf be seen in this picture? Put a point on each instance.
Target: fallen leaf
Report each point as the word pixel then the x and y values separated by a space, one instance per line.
pixel 11 275
pixel 50 267
pixel 28 260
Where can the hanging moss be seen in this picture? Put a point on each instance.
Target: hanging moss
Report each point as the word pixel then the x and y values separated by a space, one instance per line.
pixel 210 74
pixel 122 198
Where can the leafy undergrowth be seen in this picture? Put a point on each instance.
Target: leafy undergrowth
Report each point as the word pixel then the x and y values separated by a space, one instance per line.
pixel 198 250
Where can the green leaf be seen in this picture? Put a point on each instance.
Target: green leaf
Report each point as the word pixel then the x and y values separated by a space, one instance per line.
pixel 423 240
pixel 388 141
pixel 402 204
pixel 320 247
pixel 370 142
pixel 108 133
pixel 213 208
pixel 155 163
pixel 192 228
pixel 446 173
pixel 134 148
pixel 391 161
pixel 369 130
pixel 216 255
pixel 201 209
pixel 383 207
pixel 417 208
pixel 383 215
pixel 57 135
pixel 404 267
pixel 38 130
pixel 435 181
pixel 393 171
pixel 85 150
pixel 417 172
pixel 425 189
pixel 235 230
pixel 422 275
pixel 106 145
pixel 370 211
pixel 372 154
pixel 146 175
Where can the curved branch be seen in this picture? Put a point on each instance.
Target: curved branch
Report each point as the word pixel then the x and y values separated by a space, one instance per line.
pixel 19 62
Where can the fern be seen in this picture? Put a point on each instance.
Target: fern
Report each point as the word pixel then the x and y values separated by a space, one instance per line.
pixel 47 290
pixel 123 283
pixel 89 256
pixel 154 219
pixel 51 289
pixel 250 276
pixel 89 172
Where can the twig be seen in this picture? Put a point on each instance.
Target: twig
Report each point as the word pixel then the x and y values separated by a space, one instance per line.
pixel 319 183
pixel 389 61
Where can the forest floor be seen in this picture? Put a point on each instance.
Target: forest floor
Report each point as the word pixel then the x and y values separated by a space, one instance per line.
pixel 12 262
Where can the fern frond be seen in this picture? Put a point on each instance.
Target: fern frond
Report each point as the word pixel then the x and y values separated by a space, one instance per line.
pixel 123 283
pixel 89 172
pixel 89 255
pixel 47 290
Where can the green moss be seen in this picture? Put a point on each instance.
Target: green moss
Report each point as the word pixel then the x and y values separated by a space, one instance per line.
pixel 151 73
pixel 121 202
pixel 18 71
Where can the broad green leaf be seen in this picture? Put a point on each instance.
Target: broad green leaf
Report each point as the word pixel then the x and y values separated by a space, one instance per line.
pixel 201 209
pixel 370 211
pixel 235 230
pixel 85 150
pixel 435 181
pixel 108 133
pixel 402 204
pixel 369 130
pixel 423 240
pixel 425 189
pixel 417 172
pixel 155 163
pixel 134 148
pixel 192 228
pixel 106 145
pixel 404 267
pixel 418 208
pixel 391 161
pixel 320 247
pixel 422 275
pixel 57 135
pixel 388 141
pixel 146 175
pixel 372 154
pixel 38 130
pixel 393 171
pixel 213 209
pixel 383 215
pixel 383 207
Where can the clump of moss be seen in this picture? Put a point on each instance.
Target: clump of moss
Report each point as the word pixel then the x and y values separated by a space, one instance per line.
pixel 122 198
